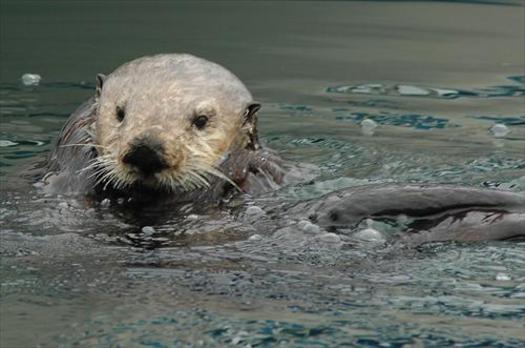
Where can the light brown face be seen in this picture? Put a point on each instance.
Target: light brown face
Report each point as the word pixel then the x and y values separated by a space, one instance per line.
pixel 167 122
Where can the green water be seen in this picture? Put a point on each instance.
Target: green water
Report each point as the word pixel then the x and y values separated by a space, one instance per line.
pixel 434 76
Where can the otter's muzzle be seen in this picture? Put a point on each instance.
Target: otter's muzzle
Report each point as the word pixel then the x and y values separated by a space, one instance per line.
pixel 146 155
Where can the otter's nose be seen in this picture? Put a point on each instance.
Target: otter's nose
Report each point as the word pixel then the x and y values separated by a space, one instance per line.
pixel 146 156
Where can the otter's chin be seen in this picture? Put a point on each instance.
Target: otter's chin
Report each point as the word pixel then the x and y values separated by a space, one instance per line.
pixel 150 181
pixel 158 182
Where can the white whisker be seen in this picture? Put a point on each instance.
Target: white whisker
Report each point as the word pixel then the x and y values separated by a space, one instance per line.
pixel 88 145
pixel 217 173
pixel 199 178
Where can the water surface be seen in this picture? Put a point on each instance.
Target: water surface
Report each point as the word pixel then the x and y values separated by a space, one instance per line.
pixel 435 77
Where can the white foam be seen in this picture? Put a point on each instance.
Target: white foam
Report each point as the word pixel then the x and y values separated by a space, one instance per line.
pixel 368 88
pixel 503 277
pixel 412 90
pixel 447 93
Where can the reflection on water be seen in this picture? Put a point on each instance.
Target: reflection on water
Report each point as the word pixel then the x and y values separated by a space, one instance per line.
pixel 517 90
pixel 435 77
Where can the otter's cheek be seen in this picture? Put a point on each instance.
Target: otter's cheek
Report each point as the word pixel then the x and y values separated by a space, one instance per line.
pixel 102 133
pixel 176 156
pixel 107 135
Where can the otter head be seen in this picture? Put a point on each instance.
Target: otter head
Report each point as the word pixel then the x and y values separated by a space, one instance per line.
pixel 168 121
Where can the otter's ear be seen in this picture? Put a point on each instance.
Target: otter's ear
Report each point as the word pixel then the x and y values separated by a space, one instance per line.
pixel 250 121
pixel 249 114
pixel 100 81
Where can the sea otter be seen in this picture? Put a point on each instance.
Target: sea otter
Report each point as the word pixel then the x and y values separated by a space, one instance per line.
pixel 180 128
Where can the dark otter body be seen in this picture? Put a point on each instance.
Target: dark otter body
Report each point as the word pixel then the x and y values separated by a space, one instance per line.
pixel 431 212
pixel 178 129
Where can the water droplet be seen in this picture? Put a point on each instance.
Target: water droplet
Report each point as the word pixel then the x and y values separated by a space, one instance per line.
pixel 499 130
pixel 368 126
pixel 31 79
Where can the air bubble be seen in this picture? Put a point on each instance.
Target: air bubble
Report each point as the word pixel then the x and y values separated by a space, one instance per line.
pixel 370 235
pixel 254 211
pixel 308 227
pixel 148 230
pixel 331 238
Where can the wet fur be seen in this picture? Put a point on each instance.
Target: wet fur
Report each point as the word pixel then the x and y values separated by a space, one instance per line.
pixel 434 212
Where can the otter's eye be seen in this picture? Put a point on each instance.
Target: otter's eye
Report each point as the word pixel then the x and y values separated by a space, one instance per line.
pixel 200 121
pixel 121 113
